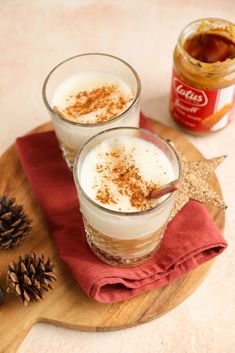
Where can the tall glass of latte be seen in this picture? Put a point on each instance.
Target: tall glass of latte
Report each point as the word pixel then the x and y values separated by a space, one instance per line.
pixel 87 94
pixel 115 174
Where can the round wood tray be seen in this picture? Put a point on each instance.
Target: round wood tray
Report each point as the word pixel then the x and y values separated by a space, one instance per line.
pixel 67 305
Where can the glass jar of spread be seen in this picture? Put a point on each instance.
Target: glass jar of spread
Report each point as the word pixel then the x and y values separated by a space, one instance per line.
pixel 203 80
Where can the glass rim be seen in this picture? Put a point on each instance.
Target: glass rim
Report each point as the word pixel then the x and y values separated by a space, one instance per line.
pixel 121 213
pixel 227 65
pixel 75 123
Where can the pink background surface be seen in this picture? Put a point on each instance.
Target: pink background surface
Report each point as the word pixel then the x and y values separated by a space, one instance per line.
pixel 36 35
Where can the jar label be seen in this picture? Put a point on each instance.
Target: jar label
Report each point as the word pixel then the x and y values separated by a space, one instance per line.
pixel 201 110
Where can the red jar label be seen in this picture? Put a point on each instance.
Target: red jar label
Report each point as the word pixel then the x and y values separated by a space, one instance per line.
pixel 201 110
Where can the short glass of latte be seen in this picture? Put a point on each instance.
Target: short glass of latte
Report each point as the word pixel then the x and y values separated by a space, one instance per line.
pixel 115 173
pixel 87 94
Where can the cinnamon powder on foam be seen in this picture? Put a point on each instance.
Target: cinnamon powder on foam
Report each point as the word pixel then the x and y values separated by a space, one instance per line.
pixel 120 170
pixel 106 101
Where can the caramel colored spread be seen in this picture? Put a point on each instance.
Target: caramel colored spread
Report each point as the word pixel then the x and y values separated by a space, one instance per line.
pixel 216 55
pixel 210 47
pixel 202 95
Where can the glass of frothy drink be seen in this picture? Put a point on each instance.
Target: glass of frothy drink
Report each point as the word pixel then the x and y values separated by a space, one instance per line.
pixel 115 173
pixel 87 94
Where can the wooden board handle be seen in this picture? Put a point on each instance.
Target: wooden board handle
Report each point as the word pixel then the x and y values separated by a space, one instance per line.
pixel 15 324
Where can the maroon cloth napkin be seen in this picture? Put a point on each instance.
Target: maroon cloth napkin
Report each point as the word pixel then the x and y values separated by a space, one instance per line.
pixel 191 238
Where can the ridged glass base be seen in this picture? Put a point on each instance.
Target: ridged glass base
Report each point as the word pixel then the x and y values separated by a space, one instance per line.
pixel 119 252
pixel 69 154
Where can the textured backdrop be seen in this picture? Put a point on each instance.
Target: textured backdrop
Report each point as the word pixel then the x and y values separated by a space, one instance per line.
pixel 35 35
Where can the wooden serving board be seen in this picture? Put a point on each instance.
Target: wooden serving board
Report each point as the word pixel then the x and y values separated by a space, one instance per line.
pixel 66 305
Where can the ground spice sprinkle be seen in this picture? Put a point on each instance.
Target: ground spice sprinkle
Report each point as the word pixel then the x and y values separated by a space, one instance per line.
pixel 107 102
pixel 120 176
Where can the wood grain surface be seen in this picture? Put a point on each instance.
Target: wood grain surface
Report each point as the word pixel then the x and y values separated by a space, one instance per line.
pixel 66 304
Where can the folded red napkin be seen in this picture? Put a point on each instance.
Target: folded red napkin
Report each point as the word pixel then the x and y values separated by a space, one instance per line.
pixel 191 238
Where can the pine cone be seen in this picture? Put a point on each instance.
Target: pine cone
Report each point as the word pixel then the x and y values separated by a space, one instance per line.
pixel 14 223
pixel 30 277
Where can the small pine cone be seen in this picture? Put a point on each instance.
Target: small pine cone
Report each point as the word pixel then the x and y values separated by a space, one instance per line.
pixel 14 223
pixel 30 277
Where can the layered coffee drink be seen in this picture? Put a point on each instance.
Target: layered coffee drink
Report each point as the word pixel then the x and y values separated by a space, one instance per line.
pixel 89 98
pixel 115 174
pixel 94 92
